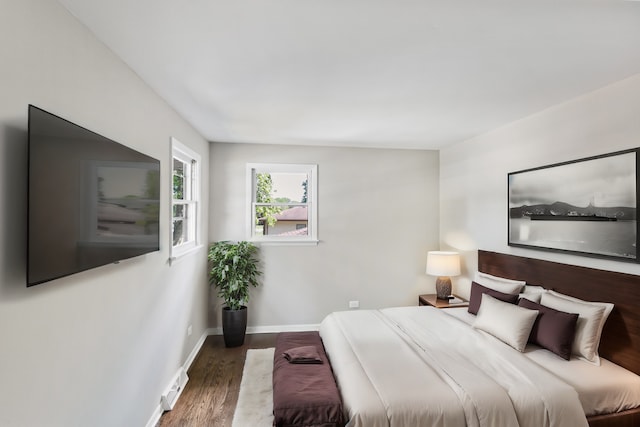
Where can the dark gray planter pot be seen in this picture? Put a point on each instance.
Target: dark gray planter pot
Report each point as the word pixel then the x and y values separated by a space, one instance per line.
pixel 234 326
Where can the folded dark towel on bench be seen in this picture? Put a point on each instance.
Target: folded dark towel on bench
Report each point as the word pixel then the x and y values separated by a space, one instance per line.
pixel 304 354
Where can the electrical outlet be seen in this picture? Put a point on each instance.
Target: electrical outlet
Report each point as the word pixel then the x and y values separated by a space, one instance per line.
pixel 354 304
pixel 189 330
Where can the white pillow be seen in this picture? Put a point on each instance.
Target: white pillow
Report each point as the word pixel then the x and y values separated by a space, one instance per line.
pixel 530 296
pixel 532 293
pixel 591 319
pixel 509 323
pixel 500 284
pixel 531 289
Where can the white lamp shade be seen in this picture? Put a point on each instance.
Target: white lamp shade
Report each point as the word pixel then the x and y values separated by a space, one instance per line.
pixel 441 263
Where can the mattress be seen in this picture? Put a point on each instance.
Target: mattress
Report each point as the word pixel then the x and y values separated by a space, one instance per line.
pixel 603 389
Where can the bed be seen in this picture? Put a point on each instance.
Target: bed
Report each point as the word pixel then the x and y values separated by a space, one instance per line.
pixel 423 366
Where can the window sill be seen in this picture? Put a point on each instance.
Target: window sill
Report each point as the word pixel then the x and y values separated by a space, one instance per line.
pixel 184 253
pixel 262 242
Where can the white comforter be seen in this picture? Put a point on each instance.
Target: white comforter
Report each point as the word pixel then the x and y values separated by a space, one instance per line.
pixel 417 366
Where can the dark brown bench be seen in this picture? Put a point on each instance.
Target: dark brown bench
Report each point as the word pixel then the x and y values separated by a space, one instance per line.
pixel 304 394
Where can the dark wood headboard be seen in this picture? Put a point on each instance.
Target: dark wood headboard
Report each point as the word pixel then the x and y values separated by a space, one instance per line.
pixel 620 341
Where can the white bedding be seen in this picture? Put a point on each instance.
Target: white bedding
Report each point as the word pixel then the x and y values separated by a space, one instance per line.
pixel 603 389
pixel 402 367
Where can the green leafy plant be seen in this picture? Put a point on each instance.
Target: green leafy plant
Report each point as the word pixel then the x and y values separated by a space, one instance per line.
pixel 233 267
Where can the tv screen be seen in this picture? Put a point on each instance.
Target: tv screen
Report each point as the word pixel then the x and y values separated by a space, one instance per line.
pixel 91 200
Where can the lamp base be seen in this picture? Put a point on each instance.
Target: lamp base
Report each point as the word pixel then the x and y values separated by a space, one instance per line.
pixel 443 287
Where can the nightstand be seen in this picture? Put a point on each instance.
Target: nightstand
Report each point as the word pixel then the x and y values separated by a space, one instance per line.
pixel 430 299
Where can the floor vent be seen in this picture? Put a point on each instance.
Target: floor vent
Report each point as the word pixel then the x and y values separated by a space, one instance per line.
pixel 170 397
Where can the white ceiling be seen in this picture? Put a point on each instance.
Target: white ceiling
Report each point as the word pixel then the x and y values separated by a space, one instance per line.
pixel 366 73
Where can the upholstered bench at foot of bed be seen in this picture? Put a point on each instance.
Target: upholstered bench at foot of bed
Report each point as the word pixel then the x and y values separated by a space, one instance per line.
pixel 304 394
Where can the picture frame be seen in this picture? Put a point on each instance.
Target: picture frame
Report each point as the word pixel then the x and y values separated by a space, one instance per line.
pixel 586 206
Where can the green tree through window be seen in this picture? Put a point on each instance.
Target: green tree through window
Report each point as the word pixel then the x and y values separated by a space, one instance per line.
pixel 264 188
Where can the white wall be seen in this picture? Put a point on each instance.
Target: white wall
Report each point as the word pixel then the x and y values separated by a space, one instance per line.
pixel 473 174
pixel 97 348
pixel 378 217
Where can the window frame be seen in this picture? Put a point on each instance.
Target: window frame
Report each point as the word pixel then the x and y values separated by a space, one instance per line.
pixel 192 199
pixel 312 202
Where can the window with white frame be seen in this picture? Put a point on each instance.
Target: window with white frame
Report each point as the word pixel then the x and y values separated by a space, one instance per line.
pixel 282 202
pixel 185 185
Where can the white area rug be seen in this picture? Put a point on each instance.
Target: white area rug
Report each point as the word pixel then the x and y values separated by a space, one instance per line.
pixel 255 401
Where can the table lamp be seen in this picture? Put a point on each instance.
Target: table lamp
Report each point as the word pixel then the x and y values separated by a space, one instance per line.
pixel 443 264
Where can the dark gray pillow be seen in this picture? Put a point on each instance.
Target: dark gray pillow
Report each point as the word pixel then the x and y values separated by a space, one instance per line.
pixel 476 296
pixel 553 329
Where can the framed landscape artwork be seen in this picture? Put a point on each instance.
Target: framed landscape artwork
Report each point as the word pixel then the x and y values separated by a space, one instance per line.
pixel 586 206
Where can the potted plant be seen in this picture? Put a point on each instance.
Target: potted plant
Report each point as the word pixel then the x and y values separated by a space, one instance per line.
pixel 233 267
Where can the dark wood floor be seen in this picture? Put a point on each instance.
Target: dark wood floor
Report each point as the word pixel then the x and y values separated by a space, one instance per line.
pixel 210 396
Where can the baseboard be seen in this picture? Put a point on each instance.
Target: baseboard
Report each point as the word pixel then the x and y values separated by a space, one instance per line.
pixel 281 328
pixel 157 413
pixel 155 418
pixel 196 349
pixel 272 329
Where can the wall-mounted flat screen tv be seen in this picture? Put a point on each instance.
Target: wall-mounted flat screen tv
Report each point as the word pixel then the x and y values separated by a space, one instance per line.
pixel 91 200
